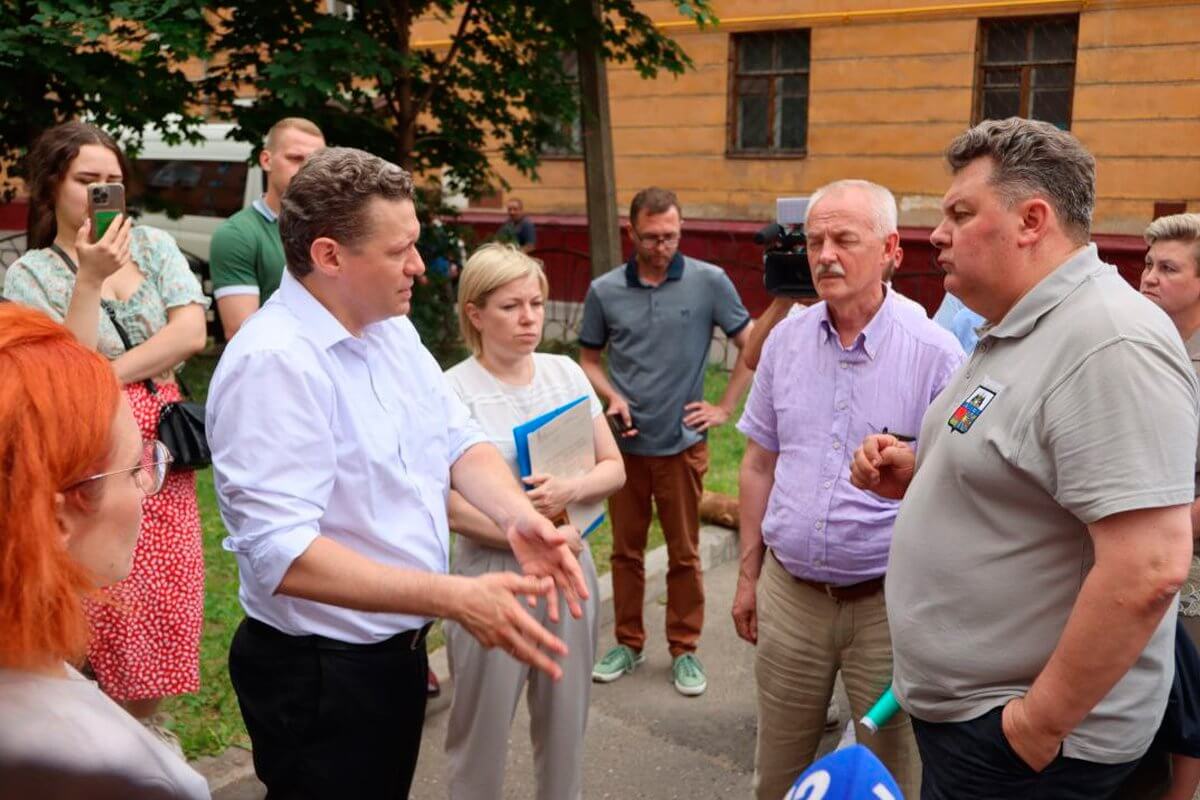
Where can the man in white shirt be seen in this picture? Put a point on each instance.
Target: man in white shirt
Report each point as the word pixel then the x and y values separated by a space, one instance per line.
pixel 335 443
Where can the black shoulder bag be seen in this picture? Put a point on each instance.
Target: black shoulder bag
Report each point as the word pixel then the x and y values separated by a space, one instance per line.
pixel 180 424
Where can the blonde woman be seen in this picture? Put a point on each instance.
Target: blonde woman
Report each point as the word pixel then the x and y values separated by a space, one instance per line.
pixel 501 310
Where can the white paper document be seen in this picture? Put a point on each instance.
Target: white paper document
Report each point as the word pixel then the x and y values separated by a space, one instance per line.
pixel 565 448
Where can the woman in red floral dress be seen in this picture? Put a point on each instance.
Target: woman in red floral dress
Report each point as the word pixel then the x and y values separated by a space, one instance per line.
pixel 146 629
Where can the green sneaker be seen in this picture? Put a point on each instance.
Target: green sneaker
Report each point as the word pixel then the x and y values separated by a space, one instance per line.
pixel 689 675
pixel 616 662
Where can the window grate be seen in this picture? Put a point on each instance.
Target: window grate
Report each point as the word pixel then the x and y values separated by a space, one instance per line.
pixel 769 93
pixel 570 134
pixel 1027 69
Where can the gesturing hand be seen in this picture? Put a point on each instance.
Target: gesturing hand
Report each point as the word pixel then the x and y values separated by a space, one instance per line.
pixel 883 465
pixel 101 259
pixel 543 551
pixel 491 613
pixel 702 415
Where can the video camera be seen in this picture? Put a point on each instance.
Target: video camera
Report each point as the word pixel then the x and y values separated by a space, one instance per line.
pixel 785 262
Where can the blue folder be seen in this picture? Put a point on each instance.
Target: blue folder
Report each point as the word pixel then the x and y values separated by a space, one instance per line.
pixel 521 437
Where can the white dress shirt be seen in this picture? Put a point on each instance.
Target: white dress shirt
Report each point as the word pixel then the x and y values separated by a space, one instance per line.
pixel 317 432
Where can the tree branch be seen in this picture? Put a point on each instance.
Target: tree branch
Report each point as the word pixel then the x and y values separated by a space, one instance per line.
pixel 439 72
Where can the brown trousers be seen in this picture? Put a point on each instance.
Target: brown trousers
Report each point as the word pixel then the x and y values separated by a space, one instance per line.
pixel 674 484
pixel 805 638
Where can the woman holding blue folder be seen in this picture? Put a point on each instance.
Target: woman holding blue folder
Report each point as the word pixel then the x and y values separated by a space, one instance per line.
pixel 501 309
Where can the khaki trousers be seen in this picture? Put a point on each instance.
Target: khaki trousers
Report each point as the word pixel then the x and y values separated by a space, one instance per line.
pixel 804 638
pixel 488 684
pixel 674 484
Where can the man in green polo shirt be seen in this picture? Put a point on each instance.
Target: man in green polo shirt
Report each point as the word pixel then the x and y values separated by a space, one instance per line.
pixel 1045 527
pixel 246 255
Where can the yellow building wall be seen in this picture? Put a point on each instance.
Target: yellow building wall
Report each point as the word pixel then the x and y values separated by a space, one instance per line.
pixel 891 83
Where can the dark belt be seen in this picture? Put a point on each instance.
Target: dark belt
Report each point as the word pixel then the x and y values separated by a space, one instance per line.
pixel 843 594
pixel 408 640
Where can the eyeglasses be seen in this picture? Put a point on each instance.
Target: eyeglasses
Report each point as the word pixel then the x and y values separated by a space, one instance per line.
pixel 671 239
pixel 150 473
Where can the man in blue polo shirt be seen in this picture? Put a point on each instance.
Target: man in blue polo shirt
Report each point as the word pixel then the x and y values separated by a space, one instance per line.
pixel 656 315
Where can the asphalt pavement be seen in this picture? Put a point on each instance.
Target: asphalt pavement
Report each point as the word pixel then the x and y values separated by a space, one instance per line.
pixel 644 739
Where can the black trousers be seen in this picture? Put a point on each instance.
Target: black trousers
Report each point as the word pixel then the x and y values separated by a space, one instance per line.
pixel 1179 733
pixel 329 719
pixel 974 760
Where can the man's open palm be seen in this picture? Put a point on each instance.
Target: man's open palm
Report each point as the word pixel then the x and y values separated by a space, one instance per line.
pixel 545 552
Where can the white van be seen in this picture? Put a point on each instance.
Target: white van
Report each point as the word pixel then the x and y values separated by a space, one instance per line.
pixel 189 189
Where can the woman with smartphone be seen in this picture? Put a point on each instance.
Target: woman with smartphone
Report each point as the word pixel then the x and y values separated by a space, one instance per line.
pixel 74 474
pixel 146 630
pixel 501 310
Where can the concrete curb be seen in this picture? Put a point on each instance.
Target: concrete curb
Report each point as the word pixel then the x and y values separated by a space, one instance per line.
pixel 225 770
pixel 717 546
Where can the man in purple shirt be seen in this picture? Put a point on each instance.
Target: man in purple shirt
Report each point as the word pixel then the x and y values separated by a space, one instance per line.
pixel 814 549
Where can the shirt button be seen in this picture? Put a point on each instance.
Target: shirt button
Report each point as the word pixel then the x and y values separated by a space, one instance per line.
pixel 845 365
pixel 819 525
pixel 841 406
pixel 837 445
pixel 828 484
pixel 819 563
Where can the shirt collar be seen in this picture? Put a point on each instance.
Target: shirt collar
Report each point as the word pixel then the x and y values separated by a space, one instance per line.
pixel 319 326
pixel 872 335
pixel 1046 295
pixel 261 207
pixel 674 271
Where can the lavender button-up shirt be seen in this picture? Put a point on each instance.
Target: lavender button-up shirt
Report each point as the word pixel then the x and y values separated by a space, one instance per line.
pixel 813 402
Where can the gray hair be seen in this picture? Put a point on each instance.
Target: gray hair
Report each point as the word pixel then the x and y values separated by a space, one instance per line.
pixel 1033 158
pixel 883 203
pixel 328 198
pixel 1183 228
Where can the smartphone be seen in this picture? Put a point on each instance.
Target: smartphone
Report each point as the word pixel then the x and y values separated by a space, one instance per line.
pixel 105 202
pixel 617 423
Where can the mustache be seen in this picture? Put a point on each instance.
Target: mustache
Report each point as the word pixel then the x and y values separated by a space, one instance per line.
pixel 835 270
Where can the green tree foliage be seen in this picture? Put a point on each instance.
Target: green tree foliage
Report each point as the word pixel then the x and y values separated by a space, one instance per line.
pixel 498 82
pixel 498 85
pixel 114 62
pixel 443 246
pixel 362 75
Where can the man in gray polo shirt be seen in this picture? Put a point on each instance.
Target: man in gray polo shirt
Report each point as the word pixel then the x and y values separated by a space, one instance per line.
pixel 656 316
pixel 1037 557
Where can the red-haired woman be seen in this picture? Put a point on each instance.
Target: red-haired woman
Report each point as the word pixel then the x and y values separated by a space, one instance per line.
pixel 73 475
pixel 145 644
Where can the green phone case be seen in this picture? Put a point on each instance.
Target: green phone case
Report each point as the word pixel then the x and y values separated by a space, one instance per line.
pixel 103 220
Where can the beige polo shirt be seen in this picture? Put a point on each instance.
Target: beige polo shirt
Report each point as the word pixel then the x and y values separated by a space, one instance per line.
pixel 1080 404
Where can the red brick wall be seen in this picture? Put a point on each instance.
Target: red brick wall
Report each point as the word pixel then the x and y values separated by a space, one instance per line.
pixel 12 215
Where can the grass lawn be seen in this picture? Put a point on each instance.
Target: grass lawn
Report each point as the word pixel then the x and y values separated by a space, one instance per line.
pixel 209 721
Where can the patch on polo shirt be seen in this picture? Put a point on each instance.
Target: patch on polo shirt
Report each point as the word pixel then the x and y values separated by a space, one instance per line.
pixel 970 408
